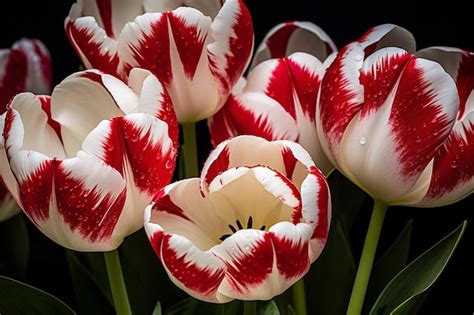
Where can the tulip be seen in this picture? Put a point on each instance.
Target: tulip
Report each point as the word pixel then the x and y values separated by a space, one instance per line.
pixel 198 49
pixel 382 115
pixel 248 228
pixel 26 66
pixel 278 99
pixel 83 162
pixel 451 176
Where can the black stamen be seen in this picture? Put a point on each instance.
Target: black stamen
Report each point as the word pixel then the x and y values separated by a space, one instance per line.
pixel 239 224
pixel 249 223
pixel 224 236
pixel 263 228
pixel 232 228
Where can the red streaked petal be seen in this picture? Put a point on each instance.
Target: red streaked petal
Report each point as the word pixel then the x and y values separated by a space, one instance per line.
pixel 460 65
pixel 91 43
pixel 426 84
pixel 230 54
pixel 217 162
pixel 341 97
pixel 293 82
pixel 145 43
pixel 139 142
pixel 75 202
pixel 298 36
pixel 252 114
pixel 190 29
pixel 13 75
pixel 452 176
pixel 198 273
pixel 387 35
pixel 39 68
pixel 29 127
pixel 90 198
pixel 34 173
pixel 291 244
pixel 249 258
pixel 170 45
pixel 379 75
pixel 154 100
pixel 316 199
pixel 111 14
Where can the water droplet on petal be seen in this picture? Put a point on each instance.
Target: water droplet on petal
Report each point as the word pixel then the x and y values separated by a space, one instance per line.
pixel 362 140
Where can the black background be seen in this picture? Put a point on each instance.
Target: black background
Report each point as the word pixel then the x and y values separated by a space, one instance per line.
pixel 447 24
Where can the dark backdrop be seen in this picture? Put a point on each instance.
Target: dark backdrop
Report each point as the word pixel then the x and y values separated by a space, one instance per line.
pixel 448 24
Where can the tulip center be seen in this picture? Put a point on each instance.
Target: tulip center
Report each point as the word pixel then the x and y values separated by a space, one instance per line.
pixel 238 226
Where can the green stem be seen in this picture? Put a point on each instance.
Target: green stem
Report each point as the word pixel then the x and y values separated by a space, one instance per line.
pixel 117 285
pixel 190 151
pixel 250 307
pixel 299 298
pixel 367 259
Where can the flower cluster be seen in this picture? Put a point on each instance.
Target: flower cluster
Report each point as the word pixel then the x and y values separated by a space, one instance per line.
pixel 93 162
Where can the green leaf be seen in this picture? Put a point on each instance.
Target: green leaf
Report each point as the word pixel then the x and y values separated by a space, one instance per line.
pixel 157 310
pixel 267 308
pixel 20 298
pixel 290 310
pixel 14 247
pixel 389 264
pixel 184 307
pixel 91 299
pixel 407 291
pixel 332 274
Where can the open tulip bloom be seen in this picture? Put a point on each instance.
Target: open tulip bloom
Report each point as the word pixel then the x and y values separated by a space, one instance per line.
pixel 392 122
pixel 278 99
pixel 197 49
pixel 26 66
pixel 85 162
pixel 248 228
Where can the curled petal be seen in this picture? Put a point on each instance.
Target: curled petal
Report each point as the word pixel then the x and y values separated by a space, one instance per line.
pixel 298 36
pixel 387 35
pixel 95 48
pixel 452 176
pixel 460 65
pixel 77 115
pixel 197 272
pixel 230 53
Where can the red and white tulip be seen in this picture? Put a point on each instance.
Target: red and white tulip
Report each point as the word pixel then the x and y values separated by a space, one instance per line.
pixel 84 162
pixel 278 100
pixel 452 173
pixel 384 114
pixel 197 49
pixel 26 66
pixel 248 228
